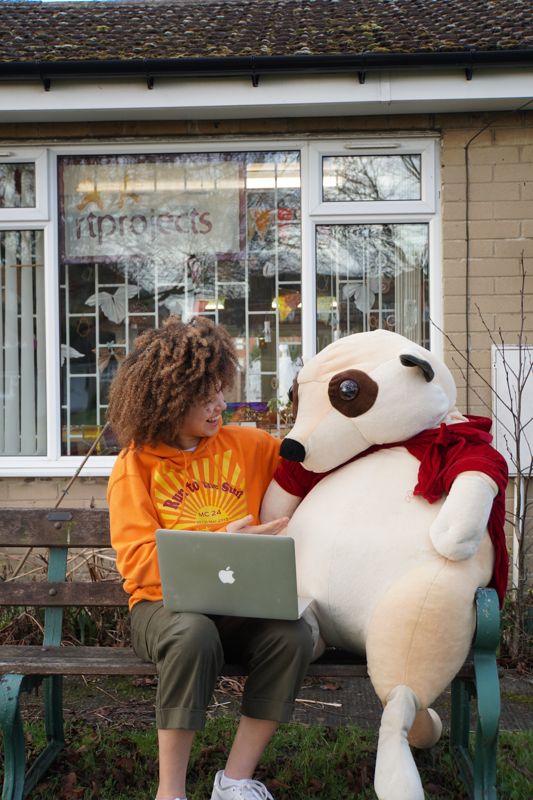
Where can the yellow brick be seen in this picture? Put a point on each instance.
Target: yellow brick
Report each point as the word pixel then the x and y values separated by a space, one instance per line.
pixel 454 304
pixel 460 396
pixel 455 322
pixel 493 155
pixel 481 173
pixel 454 249
pixel 482 248
pixel 513 172
pixel 526 190
pixel 480 286
pixel 472 122
pixel 453 191
pixel 453 230
pixel 510 326
pixel 494 191
pixel 452 156
pixel 480 360
pixel 453 211
pixel 23 504
pixel 454 286
pixel 480 340
pixel 513 247
pixel 514 210
pixel 513 136
pixel 85 488
pixel 33 489
pixel 503 303
pixel 526 153
pixel 453 175
pixel 454 268
pixel 495 229
pixel 454 138
pixel 513 285
pixel 494 266
pixel 478 210
pixel 527 228
pixel 455 340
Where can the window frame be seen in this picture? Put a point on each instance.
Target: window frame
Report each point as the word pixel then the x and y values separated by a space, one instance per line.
pixel 378 147
pixel 313 212
pixel 39 158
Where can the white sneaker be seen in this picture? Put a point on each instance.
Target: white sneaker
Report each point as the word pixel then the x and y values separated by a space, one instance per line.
pixel 246 789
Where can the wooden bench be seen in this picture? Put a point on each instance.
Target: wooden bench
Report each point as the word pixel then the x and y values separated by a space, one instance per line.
pixel 23 667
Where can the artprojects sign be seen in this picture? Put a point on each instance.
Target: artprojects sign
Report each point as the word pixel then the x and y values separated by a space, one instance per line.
pixel 110 212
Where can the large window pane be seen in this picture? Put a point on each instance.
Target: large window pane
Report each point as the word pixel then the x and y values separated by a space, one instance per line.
pixel 22 344
pixel 17 185
pixel 372 276
pixel 367 178
pixel 146 236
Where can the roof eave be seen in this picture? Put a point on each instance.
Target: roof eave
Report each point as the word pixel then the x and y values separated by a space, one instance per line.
pixel 260 65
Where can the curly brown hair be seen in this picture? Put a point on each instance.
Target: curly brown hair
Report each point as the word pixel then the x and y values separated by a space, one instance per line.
pixel 168 370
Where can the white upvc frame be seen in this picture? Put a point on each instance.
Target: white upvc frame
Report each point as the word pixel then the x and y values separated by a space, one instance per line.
pixel 374 147
pixel 425 210
pixel 312 213
pixel 17 155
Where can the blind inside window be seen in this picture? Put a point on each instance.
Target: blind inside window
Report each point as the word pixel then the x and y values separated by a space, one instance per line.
pixel 22 344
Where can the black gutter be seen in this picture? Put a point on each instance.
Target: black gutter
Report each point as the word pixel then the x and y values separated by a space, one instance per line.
pixel 256 66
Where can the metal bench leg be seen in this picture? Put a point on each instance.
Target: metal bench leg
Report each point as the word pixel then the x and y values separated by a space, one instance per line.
pixel 488 698
pixel 479 773
pixel 484 768
pixel 53 720
pixel 14 746
pixel 460 731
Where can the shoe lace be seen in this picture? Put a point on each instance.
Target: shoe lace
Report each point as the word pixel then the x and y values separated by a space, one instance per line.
pixel 254 790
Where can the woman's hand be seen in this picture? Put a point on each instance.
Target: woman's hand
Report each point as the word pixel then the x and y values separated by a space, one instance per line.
pixel 243 526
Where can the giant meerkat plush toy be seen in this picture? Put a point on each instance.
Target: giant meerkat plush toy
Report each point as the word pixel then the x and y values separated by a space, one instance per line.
pixel 397 510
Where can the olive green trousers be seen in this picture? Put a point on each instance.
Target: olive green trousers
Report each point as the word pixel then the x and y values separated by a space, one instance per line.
pixel 189 650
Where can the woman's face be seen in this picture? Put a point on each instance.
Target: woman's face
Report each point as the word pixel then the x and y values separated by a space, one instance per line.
pixel 201 420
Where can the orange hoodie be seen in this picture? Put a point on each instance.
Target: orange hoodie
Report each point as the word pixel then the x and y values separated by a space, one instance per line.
pixel 222 480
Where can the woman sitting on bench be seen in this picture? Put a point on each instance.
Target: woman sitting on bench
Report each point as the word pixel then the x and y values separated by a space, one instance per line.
pixel 166 409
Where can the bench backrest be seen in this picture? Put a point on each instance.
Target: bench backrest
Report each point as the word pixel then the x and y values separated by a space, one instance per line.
pixel 58 531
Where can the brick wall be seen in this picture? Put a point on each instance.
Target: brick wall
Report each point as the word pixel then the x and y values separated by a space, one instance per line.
pixel 44 492
pixel 500 230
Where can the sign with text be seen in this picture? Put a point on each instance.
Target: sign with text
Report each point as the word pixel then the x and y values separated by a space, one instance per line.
pixel 118 208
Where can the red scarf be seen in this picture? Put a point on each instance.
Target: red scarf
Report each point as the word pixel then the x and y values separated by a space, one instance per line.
pixel 444 453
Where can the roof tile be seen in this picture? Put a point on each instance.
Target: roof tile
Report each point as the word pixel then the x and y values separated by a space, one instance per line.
pixel 189 29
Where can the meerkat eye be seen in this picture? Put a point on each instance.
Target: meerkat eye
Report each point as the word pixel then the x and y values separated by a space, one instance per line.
pixel 352 392
pixel 290 394
pixel 349 390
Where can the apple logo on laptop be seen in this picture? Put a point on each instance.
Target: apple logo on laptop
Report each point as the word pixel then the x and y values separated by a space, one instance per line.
pixel 226 575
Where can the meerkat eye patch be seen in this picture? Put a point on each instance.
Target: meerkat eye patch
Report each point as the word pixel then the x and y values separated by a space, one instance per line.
pixel 352 392
pixel 293 396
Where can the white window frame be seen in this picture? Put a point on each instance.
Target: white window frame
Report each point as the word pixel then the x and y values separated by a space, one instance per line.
pixel 374 147
pixel 425 210
pixel 313 212
pixel 39 158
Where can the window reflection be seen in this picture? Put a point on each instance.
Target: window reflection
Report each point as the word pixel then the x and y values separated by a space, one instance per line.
pixel 371 178
pixel 146 236
pixel 372 276
pixel 17 185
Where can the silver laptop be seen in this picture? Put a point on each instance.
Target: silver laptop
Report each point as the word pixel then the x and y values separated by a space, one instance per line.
pixel 235 574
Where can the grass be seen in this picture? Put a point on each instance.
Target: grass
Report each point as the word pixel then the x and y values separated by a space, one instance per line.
pixel 303 761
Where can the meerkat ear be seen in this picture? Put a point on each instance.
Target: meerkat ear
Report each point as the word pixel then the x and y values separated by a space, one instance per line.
pixel 409 360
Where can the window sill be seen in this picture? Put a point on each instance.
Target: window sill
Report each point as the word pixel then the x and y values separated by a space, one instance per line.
pixel 41 467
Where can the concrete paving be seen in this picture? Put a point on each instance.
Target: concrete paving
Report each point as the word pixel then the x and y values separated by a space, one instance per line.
pixel 343 700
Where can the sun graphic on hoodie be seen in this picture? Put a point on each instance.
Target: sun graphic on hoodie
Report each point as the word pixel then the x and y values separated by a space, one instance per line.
pixel 207 494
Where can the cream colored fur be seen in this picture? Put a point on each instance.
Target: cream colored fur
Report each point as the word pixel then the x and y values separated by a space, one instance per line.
pixel 392 575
